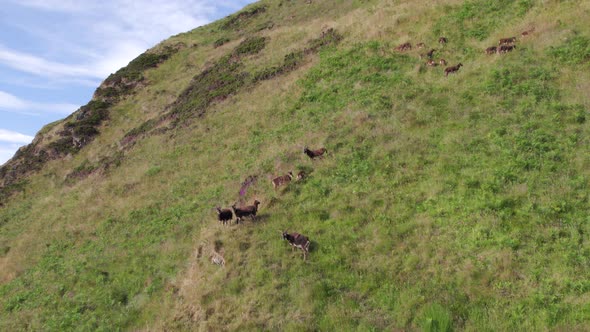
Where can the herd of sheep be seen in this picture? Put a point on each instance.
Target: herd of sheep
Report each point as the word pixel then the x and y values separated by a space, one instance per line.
pixel 296 240
pixel 505 45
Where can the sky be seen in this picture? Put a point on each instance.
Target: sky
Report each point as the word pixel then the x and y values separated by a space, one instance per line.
pixel 55 53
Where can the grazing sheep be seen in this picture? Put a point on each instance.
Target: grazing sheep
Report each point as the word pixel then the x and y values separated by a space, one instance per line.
pixel 506 48
pixel 224 215
pixel 507 41
pixel 319 153
pixel 442 62
pixel 430 53
pixel 217 258
pixel 246 211
pixel 281 180
pixel 431 63
pixel 299 241
pixel 404 47
pixel 452 69
pixel 491 50
pixel 443 40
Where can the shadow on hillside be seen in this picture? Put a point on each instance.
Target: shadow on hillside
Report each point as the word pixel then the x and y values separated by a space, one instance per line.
pixel 261 217
pixel 313 246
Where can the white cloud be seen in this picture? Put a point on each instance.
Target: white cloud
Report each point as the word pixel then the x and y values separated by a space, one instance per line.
pixel 10 142
pixel 14 137
pixel 110 32
pixel 73 43
pixel 9 102
pixel 54 5
pixel 36 65
pixel 7 151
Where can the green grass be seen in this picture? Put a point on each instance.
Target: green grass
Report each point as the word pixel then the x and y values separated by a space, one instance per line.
pixel 444 203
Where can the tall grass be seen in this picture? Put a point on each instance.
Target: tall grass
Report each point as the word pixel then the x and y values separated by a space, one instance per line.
pixel 444 203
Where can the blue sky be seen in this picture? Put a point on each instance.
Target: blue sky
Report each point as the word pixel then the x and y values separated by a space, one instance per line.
pixel 54 53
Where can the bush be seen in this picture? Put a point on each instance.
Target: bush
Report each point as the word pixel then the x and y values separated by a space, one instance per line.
pixel 221 41
pixel 329 37
pixel 573 51
pixel 125 79
pixel 238 20
pixel 291 62
pixel 295 59
pixel 215 83
pixel 264 26
pixel 250 45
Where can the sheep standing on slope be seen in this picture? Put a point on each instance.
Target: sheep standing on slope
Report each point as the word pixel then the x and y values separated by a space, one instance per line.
pixel 491 50
pixel 281 180
pixel 224 215
pixel 319 153
pixel 404 47
pixel 506 48
pixel 430 53
pixel 507 41
pixel 246 211
pixel 453 69
pixel 299 241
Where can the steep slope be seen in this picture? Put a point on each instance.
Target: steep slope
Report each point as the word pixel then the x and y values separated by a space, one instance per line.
pixel 456 202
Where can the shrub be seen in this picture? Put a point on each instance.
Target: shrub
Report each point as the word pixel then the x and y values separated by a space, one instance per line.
pixel 62 146
pixel 250 45
pixel 219 42
pixel 329 37
pixel 573 51
pixel 264 26
pixel 238 20
pixel 125 79
pixel 143 128
pixel 291 62
pixel 217 82
pixel 295 59
pixel 83 127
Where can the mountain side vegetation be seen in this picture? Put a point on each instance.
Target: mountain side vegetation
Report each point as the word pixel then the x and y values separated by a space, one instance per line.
pixel 444 203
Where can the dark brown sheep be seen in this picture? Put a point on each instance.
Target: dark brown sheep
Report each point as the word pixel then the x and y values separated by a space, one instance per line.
pixel 224 215
pixel 443 40
pixel 491 50
pixel 430 53
pixel 319 153
pixel 453 69
pixel 404 47
pixel 506 48
pixel 507 41
pixel 246 211
pixel 299 241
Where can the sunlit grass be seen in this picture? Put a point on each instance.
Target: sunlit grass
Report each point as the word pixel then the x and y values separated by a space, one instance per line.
pixel 444 203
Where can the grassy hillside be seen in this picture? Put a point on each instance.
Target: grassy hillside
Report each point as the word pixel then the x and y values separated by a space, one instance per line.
pixel 445 203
